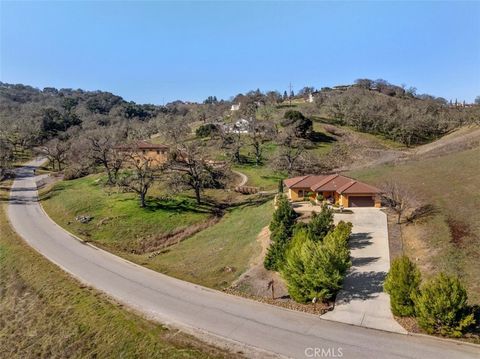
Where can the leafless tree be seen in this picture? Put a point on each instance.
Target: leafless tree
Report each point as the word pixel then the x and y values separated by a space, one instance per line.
pixel 6 158
pixel 102 152
pixel 191 170
pixel 56 152
pixel 259 132
pixel 292 153
pixel 397 197
pixel 174 131
pixel 140 173
pixel 232 141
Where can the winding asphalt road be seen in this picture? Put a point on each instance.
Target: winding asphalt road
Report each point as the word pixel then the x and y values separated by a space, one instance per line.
pixel 257 327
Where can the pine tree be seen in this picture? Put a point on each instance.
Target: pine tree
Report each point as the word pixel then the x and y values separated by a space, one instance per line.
pixel 402 282
pixel 315 269
pixel 441 307
pixel 320 224
pixel 283 214
pixel 281 229
pixel 294 268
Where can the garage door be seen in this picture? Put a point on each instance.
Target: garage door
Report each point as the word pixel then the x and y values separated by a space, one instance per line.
pixel 361 201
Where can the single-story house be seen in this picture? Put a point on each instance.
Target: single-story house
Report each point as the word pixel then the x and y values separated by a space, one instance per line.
pixel 335 188
pixel 146 150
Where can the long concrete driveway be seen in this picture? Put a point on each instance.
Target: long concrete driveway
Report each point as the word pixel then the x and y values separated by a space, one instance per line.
pixel 258 327
pixel 362 300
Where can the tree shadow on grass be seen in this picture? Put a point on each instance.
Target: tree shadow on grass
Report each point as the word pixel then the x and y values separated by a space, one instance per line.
pixel 178 205
pixel 320 137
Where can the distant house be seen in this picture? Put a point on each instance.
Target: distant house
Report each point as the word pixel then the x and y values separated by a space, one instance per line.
pixel 235 107
pixel 240 126
pixel 310 97
pixel 335 188
pixel 146 150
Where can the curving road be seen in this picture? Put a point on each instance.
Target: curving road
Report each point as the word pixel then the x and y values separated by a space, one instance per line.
pixel 258 328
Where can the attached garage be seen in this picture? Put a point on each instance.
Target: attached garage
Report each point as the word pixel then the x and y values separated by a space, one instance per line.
pixel 361 201
pixel 334 188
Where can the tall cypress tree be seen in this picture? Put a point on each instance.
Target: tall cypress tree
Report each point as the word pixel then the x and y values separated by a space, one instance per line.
pixel 281 229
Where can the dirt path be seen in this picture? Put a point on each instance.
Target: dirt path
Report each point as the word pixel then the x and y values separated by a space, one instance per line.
pixel 255 280
pixel 243 178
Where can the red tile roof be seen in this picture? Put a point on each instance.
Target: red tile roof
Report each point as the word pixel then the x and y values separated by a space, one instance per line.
pixel 358 187
pixel 330 183
pixel 289 182
pixel 142 145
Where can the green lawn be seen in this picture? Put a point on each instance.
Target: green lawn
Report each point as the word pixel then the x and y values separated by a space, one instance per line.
pixel 118 220
pixel 450 240
pixel 120 225
pixel 261 176
pixel 47 314
pixel 219 254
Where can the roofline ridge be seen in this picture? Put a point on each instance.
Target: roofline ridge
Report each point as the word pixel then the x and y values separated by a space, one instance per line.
pixel 323 182
pixel 300 180
pixel 347 185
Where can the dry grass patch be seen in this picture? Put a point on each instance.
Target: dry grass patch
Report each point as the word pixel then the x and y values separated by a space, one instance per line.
pixel 47 314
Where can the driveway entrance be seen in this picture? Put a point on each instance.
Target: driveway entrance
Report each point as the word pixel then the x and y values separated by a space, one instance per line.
pixel 362 300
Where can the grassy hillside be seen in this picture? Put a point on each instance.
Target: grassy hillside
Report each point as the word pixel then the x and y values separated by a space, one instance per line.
pixel 216 256
pixel 449 240
pixel 47 314
pixel 118 221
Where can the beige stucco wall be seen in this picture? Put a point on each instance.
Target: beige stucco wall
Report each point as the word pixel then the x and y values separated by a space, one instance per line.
pixel 296 195
pixel 340 199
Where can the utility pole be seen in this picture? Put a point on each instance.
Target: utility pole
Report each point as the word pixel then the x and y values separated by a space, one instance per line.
pixel 290 94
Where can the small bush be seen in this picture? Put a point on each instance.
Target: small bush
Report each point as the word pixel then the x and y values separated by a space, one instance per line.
pixel 402 283
pixel 74 172
pixel 206 130
pixel 441 307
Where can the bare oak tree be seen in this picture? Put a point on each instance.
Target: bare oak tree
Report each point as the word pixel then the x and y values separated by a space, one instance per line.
pixel 56 152
pixel 6 158
pixel 292 153
pixel 398 198
pixel 191 170
pixel 140 174
pixel 259 132
pixel 102 152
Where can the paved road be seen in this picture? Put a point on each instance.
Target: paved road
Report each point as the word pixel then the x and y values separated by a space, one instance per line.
pixel 193 307
pixel 362 300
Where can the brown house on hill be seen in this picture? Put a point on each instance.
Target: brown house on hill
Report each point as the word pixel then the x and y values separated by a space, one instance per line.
pixel 146 150
pixel 335 188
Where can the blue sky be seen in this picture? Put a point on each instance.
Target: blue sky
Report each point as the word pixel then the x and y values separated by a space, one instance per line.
pixel 152 52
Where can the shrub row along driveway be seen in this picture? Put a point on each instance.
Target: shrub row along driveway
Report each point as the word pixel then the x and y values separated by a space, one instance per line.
pixel 229 319
pixel 362 300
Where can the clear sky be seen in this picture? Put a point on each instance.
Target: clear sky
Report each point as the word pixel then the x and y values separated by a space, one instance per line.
pixel 152 52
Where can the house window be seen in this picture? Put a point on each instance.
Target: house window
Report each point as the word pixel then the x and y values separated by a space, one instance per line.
pixel 158 152
pixel 144 151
